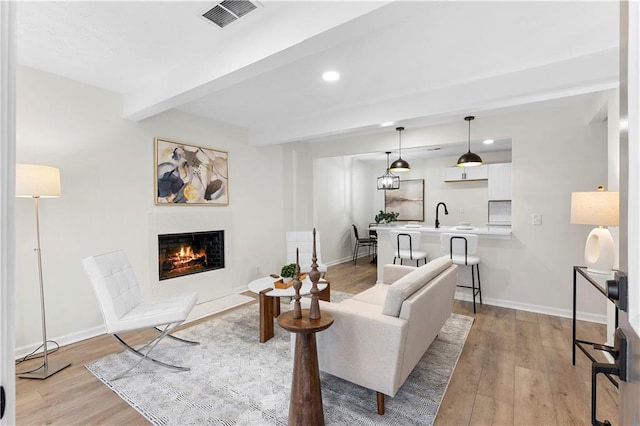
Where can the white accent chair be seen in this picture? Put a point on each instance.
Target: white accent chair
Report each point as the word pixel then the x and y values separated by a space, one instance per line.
pixel 124 310
pixel 303 240
pixel 407 246
pixel 462 249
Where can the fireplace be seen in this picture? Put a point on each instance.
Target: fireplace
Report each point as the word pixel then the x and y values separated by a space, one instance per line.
pixel 190 253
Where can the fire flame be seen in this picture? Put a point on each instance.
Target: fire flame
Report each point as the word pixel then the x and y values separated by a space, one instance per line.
pixel 186 255
pixel 186 252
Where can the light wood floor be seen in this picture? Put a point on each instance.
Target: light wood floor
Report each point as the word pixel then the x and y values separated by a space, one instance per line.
pixel 515 368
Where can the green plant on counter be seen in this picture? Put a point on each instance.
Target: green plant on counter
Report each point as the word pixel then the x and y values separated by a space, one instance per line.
pixel 386 217
pixel 288 270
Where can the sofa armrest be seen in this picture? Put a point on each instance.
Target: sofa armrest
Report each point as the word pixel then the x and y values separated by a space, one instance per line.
pixel 392 273
pixel 365 348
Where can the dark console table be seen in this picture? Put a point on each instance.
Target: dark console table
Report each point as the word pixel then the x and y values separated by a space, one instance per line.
pixel 599 282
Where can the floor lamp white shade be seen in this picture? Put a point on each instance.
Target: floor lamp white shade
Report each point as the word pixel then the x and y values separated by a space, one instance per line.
pixel 37 181
pixel 599 208
pixel 34 180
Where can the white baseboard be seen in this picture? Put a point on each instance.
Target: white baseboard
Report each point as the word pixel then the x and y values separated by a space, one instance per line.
pixel 564 313
pixel 61 340
pixel 214 306
pixel 346 259
pixel 339 261
pixel 199 311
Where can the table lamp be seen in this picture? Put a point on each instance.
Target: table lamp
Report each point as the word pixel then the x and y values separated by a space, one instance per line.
pixel 36 181
pixel 599 208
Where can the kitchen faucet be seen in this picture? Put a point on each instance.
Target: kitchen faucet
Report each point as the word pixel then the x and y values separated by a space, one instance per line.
pixel 445 212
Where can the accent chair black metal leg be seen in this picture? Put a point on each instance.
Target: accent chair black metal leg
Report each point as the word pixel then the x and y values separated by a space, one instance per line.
pixel 479 285
pixel 473 289
pixel 355 253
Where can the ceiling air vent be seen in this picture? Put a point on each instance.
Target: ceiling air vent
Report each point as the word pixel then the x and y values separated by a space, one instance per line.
pixel 228 11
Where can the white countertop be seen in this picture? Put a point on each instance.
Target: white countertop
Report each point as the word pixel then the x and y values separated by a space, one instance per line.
pixel 504 231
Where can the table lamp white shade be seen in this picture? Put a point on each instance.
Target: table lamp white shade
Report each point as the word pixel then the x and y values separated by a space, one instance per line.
pixel 35 180
pixel 599 208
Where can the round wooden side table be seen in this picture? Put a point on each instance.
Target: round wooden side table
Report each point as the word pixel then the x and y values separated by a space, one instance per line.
pixel 306 396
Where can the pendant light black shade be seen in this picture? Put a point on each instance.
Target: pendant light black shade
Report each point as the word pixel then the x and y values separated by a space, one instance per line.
pixel 469 159
pixel 400 165
pixel 388 180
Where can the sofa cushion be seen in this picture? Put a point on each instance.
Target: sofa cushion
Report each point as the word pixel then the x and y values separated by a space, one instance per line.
pixel 376 295
pixel 362 308
pixel 411 283
pixel 392 273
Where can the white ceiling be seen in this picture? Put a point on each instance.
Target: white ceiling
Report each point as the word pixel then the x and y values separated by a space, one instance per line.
pixel 410 63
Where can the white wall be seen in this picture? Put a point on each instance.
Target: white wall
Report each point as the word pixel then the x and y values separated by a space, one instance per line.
pixel 342 192
pixel 107 203
pixel 554 152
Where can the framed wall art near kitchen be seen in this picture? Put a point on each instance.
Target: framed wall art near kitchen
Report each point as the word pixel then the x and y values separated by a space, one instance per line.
pixel 408 200
pixel 190 175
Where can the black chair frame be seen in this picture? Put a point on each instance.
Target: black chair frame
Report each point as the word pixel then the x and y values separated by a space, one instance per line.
pixel 410 250
pixel 363 242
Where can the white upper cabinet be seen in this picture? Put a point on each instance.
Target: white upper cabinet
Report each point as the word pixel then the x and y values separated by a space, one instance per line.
pixel 456 174
pixel 499 186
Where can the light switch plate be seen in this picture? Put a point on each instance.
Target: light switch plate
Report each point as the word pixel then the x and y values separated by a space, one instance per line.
pixel 536 219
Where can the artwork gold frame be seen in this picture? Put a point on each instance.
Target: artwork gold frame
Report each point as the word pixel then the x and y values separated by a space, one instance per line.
pixel 408 200
pixel 190 175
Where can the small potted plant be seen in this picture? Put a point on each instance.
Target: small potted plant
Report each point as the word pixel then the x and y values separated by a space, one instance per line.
pixel 386 217
pixel 287 272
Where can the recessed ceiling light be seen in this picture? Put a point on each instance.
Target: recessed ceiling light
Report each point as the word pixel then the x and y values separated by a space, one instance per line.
pixel 387 123
pixel 488 141
pixel 331 76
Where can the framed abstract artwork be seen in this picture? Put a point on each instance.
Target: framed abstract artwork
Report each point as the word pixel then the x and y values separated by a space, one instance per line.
pixel 190 175
pixel 408 200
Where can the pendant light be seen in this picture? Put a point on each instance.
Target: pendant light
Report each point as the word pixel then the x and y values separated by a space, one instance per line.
pixel 469 159
pixel 388 180
pixel 400 165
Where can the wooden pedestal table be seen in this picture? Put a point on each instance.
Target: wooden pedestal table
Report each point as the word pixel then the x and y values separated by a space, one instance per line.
pixel 269 299
pixel 306 396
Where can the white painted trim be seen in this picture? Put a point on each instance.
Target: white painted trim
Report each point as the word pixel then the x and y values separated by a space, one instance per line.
pixel 339 261
pixel 633 207
pixel 564 313
pixel 215 306
pixel 212 306
pixel 7 211
pixel 61 341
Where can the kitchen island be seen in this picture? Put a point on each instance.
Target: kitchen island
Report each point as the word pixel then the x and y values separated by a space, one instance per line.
pixel 490 237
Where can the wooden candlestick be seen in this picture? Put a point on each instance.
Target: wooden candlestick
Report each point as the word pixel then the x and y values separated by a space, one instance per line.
pixel 297 284
pixel 314 276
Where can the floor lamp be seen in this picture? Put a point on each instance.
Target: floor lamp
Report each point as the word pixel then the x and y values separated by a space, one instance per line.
pixel 36 181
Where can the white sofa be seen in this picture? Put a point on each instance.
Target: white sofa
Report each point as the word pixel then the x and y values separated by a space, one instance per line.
pixel 379 335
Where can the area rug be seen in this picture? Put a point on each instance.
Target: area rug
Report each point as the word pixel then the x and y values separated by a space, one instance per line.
pixel 235 380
